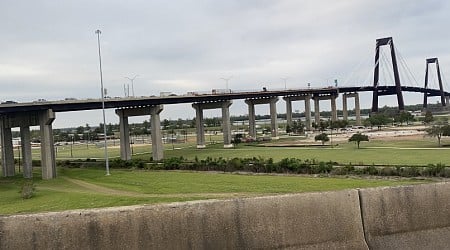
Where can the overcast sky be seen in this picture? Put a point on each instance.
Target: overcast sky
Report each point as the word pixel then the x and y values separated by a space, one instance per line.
pixel 49 48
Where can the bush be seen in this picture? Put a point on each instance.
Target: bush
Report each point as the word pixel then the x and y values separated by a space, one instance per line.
pixel 27 189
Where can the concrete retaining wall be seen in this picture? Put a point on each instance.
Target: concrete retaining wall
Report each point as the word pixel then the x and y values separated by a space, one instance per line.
pixel 410 217
pixel 329 220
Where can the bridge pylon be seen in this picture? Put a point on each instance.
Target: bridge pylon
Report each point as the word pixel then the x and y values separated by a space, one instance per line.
pixel 398 89
pixel 441 88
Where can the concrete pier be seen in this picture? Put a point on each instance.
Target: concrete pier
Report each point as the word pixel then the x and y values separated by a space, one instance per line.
pixel 155 123
pixel 226 124
pixel 273 115
pixel 251 119
pixel 24 120
pixel 273 118
pixel 316 110
pixel 308 112
pixel 124 130
pixel 289 100
pixel 317 99
pixel 357 107
pixel 26 151
pixel 48 163
pixel 7 150
pixel 153 112
pixel 333 108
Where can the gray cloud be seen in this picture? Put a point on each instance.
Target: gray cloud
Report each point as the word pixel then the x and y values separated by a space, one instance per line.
pixel 49 48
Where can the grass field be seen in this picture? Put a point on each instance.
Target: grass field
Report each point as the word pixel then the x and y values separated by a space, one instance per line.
pixel 90 188
pixel 380 152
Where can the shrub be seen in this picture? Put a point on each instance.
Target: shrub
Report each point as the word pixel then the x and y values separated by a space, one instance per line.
pixel 172 163
pixel 27 189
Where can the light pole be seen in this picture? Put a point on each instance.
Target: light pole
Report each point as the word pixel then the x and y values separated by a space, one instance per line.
pixel 284 79
pixel 226 82
pixel 98 32
pixel 132 84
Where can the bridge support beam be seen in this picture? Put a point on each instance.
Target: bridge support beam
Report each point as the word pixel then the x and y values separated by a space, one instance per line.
pixel 317 99
pixel 251 119
pixel 272 101
pixel 26 151
pixel 7 150
pixel 289 100
pixel 124 131
pixel 357 107
pixel 155 123
pixel 398 89
pixel 316 110
pixel 333 108
pixel 308 120
pixel 226 124
pixel 48 163
pixel 153 111
pixel 441 88
pixel 273 118
pixel 24 120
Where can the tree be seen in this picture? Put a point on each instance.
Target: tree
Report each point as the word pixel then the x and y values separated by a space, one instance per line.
pixel 438 130
pixel 428 117
pixel 404 116
pixel 322 137
pixel 166 124
pixel 377 120
pixel 358 138
pixel 288 129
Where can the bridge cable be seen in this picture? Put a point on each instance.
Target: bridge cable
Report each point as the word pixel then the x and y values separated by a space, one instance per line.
pixel 357 77
pixel 405 65
pixel 385 70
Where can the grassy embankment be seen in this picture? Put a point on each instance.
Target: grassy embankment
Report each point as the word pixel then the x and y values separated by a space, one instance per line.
pixel 90 188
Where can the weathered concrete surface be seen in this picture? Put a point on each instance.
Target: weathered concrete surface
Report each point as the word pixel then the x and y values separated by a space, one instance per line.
pixel 329 220
pixel 408 217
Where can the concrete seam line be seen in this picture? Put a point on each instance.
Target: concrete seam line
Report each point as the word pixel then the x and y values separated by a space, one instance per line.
pixel 362 217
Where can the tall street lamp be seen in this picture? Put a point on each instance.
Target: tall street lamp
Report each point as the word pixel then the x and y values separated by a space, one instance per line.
pixel 132 83
pixel 284 79
pixel 98 32
pixel 226 82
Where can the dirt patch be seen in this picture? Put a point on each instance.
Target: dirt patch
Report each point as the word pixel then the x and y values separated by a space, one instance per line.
pixel 86 187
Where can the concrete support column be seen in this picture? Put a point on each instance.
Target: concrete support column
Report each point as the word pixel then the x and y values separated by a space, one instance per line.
pixel 288 110
pixel 447 100
pixel 155 123
pixel 226 124
pixel 125 150
pixel 273 118
pixel 8 167
pixel 251 119
pixel 316 110
pixel 344 107
pixel 200 130
pixel 333 108
pixel 26 151
pixel 357 110
pixel 48 164
pixel 308 112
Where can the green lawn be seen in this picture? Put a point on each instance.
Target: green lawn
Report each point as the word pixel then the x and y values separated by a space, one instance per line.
pixel 90 188
pixel 398 152
pixel 375 152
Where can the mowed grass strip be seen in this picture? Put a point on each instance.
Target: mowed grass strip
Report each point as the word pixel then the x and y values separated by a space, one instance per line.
pixel 408 152
pixel 394 152
pixel 90 188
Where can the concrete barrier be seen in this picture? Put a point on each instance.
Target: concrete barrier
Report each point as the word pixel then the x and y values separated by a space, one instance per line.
pixel 408 217
pixel 329 220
